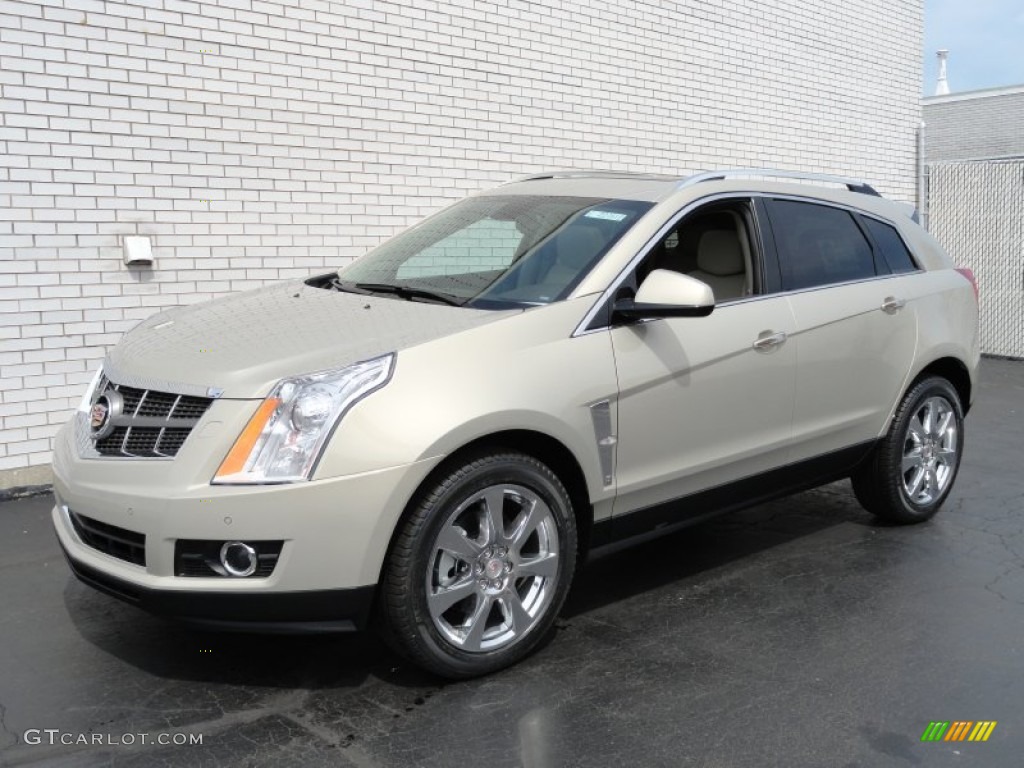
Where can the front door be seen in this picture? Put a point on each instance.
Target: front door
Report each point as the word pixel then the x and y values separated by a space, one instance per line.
pixel 705 401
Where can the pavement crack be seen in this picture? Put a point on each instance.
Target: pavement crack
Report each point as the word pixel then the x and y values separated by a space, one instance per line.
pixel 3 725
pixel 351 753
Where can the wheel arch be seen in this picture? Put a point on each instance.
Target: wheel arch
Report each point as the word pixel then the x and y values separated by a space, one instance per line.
pixel 955 372
pixel 541 446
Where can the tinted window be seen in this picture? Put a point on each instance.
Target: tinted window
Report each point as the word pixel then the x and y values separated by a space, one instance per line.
pixel 818 245
pixel 891 245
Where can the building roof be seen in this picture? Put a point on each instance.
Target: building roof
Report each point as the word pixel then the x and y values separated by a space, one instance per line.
pixel 975 125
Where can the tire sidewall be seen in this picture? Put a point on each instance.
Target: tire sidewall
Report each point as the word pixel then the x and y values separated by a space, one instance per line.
pixel 433 514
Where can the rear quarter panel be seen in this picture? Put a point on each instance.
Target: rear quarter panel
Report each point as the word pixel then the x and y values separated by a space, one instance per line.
pixel 947 320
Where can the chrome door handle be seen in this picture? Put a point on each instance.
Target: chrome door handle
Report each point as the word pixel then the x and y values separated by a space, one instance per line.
pixel 892 305
pixel 769 340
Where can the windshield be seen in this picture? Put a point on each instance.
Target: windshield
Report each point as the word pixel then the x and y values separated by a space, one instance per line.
pixel 496 252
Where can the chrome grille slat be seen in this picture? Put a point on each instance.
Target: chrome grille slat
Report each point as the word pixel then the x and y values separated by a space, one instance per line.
pixel 124 441
pixel 153 425
pixel 159 439
pixel 138 405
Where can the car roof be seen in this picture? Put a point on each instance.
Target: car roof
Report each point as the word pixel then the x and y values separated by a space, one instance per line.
pixel 656 188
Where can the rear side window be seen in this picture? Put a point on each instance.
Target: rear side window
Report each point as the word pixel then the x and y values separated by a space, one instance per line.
pixel 889 242
pixel 818 245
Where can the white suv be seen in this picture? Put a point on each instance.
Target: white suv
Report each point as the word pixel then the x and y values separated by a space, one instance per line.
pixel 432 437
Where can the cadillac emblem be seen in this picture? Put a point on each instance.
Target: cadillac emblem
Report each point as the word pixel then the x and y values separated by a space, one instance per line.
pixel 108 407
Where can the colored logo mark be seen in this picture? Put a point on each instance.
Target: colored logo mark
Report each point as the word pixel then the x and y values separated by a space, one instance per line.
pixel 959 730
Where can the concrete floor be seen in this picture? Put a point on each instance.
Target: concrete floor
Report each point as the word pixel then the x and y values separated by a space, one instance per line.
pixel 799 633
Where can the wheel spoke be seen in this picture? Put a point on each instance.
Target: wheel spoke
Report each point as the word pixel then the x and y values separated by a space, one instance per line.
pixel 533 515
pixel 455 541
pixel 929 417
pixel 545 566
pixel 494 514
pixel 478 623
pixel 916 430
pixel 912 459
pixel 914 486
pixel 944 424
pixel 946 455
pixel 512 605
pixel 933 482
pixel 444 598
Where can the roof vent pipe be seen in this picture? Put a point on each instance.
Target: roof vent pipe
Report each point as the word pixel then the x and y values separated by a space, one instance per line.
pixel 942 87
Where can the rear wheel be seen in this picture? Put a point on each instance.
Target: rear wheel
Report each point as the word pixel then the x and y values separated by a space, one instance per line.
pixel 481 567
pixel 913 469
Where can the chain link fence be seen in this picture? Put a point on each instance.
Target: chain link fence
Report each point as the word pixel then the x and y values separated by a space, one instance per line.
pixel 976 210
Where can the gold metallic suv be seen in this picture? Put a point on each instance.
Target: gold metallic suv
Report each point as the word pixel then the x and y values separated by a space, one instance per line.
pixel 433 436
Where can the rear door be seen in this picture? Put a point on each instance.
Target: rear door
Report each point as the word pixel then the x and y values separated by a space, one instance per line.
pixel 856 331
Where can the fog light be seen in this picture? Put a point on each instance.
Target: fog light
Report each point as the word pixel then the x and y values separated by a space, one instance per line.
pixel 238 558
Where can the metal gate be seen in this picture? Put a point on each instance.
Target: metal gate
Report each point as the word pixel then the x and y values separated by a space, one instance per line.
pixel 976 210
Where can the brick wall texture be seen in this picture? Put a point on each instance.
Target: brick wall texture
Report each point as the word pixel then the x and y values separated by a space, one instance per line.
pixel 974 127
pixel 258 140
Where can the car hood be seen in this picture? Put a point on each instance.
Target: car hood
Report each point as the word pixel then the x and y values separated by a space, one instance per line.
pixel 242 344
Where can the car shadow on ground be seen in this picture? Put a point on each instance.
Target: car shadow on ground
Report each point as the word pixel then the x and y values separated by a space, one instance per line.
pixel 169 650
pixel 688 552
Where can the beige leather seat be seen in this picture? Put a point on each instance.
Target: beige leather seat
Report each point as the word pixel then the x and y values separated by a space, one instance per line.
pixel 720 263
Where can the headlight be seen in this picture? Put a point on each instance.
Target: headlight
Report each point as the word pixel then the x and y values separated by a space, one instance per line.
pixel 90 394
pixel 284 439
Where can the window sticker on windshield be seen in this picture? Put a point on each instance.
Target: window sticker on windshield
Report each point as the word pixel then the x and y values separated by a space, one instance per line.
pixel 606 215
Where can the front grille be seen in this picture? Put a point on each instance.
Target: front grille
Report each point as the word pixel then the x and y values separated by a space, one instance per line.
pixel 117 542
pixel 197 557
pixel 152 424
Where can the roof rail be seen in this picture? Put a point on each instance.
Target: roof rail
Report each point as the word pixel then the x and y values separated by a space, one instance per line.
pixel 854 185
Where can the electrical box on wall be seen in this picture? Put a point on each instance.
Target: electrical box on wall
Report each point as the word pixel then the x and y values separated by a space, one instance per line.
pixel 138 251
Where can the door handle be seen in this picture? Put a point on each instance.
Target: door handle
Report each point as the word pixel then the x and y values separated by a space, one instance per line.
pixel 892 305
pixel 769 340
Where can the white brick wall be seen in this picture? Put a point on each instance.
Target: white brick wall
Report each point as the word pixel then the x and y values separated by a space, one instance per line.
pixel 315 129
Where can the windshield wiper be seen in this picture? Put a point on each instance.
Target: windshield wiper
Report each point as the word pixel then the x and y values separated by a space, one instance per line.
pixel 405 292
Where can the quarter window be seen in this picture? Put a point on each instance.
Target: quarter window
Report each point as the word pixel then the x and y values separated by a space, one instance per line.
pixel 818 245
pixel 889 242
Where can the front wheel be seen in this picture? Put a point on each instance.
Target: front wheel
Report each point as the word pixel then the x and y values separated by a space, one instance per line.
pixel 481 566
pixel 912 470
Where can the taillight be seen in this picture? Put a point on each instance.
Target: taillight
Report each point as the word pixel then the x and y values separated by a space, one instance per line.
pixel 969 274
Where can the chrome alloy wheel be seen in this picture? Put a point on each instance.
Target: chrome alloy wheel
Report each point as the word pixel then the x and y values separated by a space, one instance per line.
pixel 494 568
pixel 930 451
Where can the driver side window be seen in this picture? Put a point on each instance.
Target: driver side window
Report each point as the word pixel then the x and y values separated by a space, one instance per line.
pixel 715 245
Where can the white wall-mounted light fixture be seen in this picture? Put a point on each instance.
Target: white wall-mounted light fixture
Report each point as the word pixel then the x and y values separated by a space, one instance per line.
pixel 138 251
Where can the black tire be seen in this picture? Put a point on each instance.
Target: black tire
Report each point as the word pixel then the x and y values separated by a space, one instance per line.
pixel 881 484
pixel 451 644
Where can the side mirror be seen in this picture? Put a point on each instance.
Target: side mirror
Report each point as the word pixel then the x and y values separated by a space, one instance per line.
pixel 667 294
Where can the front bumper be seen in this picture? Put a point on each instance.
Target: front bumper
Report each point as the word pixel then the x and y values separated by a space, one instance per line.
pixel 335 534
pixel 322 611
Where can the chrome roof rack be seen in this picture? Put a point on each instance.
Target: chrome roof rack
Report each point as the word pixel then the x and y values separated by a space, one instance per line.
pixel 854 185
